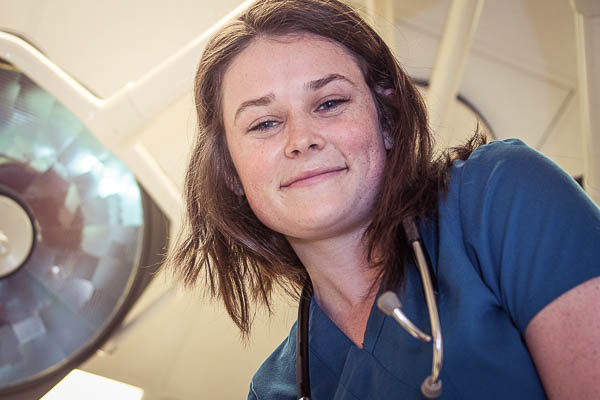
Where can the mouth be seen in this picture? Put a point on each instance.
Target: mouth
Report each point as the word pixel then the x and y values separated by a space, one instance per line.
pixel 311 177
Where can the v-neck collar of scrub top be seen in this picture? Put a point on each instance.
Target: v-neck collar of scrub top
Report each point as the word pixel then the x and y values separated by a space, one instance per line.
pixel 338 343
pixel 334 348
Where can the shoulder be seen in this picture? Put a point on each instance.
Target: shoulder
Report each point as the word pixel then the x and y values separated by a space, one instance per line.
pixel 505 174
pixel 276 377
pixel 509 158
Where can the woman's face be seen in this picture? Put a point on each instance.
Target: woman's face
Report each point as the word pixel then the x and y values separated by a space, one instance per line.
pixel 303 133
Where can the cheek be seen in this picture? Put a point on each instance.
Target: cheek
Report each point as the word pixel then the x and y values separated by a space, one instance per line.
pixel 254 181
pixel 370 150
pixel 365 141
pixel 260 191
pixel 256 170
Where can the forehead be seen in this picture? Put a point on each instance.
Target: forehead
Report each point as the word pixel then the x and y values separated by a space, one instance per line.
pixel 271 62
pixel 274 47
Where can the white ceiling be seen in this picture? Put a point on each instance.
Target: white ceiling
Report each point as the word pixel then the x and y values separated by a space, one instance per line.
pixel 521 76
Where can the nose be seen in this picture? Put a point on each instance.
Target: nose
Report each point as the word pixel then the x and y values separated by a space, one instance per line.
pixel 302 137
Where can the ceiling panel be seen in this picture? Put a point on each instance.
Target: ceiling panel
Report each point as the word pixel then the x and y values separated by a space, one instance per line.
pixel 106 44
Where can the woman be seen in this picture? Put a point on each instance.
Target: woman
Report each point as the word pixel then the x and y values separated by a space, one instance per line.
pixel 313 147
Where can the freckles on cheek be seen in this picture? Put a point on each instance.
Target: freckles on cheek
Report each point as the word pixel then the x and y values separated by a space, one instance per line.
pixel 258 178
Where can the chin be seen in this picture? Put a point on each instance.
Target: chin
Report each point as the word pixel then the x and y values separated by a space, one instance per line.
pixel 319 226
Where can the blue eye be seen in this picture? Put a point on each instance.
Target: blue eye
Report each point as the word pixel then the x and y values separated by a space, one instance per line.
pixel 331 104
pixel 263 126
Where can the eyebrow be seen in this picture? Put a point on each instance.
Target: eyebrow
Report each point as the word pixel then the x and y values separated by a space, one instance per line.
pixel 312 85
pixel 261 101
pixel 319 83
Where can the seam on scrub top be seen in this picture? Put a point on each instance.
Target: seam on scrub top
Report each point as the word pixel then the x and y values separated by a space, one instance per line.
pixel 417 389
pixel 347 391
pixel 254 391
pixel 460 213
pixel 376 335
pixel 475 264
pixel 339 376
pixel 328 368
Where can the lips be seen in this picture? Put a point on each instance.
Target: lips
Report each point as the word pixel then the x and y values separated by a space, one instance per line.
pixel 306 178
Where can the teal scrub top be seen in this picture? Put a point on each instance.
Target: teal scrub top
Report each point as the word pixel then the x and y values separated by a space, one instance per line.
pixel 513 233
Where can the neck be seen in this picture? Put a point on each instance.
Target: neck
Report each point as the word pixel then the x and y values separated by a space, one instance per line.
pixel 342 279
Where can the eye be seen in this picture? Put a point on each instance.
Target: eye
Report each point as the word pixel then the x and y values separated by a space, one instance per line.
pixel 264 125
pixel 331 104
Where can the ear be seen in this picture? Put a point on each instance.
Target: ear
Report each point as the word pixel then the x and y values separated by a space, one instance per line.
pixel 385 92
pixel 232 181
pixel 388 143
pixel 236 187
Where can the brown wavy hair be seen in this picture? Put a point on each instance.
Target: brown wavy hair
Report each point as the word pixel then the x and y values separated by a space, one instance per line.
pixel 241 258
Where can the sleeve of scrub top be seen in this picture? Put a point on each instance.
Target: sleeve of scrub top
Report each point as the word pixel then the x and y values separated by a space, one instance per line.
pixel 276 378
pixel 534 232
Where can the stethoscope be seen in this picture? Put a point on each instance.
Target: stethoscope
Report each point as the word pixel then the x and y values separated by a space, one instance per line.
pixel 389 303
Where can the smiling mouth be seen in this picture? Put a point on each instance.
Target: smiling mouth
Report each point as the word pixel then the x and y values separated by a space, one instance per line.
pixel 312 177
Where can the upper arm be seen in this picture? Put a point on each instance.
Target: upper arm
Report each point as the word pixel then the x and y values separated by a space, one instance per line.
pixel 564 342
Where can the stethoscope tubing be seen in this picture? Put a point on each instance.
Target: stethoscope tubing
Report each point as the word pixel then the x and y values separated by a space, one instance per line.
pixel 433 313
pixel 302 371
pixel 432 385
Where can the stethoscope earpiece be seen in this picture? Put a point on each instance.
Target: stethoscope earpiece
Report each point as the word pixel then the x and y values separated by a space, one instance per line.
pixel 389 303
